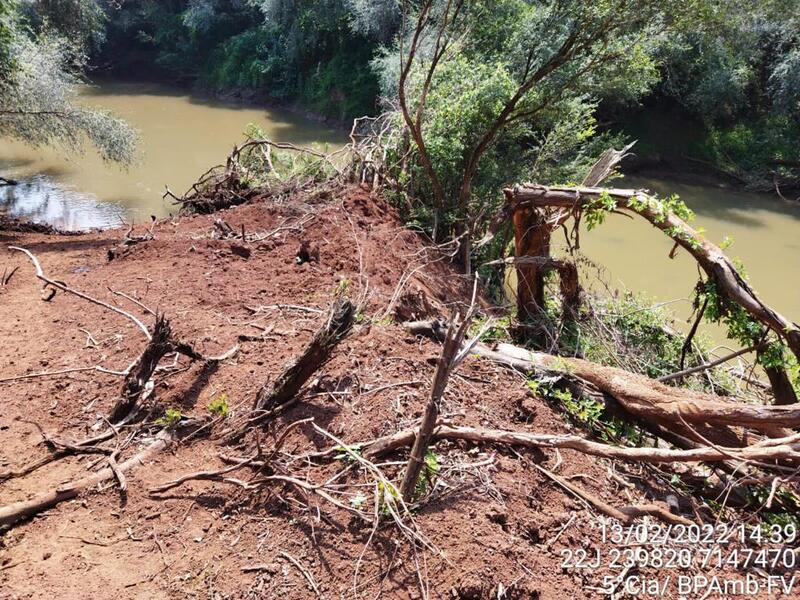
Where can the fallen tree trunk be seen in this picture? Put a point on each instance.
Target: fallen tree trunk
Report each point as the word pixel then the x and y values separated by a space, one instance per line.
pixel 640 396
pixel 19 511
pixel 710 257
pixel 647 398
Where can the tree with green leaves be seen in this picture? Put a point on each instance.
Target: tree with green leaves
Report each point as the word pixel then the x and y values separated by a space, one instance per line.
pixel 38 96
pixel 6 39
pixel 738 72
pixel 495 92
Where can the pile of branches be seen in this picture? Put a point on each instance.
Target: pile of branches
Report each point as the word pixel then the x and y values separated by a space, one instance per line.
pixel 264 168
pixel 259 168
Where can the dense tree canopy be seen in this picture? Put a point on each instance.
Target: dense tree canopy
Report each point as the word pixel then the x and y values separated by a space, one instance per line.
pixel 733 65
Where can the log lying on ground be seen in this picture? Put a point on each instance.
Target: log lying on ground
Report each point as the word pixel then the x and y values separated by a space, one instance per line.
pixel 297 373
pixel 19 511
pixel 761 452
pixel 646 398
pixel 710 257
pixel 641 396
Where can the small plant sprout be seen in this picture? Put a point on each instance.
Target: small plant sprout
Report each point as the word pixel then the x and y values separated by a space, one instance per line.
pixel 358 501
pixel 428 475
pixel 219 406
pixel 346 453
pixel 172 417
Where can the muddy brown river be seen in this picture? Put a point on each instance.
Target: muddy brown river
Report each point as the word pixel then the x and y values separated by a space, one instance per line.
pixel 182 135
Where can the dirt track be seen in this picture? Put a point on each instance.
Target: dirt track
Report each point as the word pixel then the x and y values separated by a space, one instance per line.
pixel 504 525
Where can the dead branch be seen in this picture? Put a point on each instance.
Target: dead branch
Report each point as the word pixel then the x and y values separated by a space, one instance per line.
pixel 625 514
pixel 217 475
pixel 7 276
pixel 304 571
pixel 12 514
pixel 761 452
pixel 228 185
pixel 707 366
pixel 444 367
pixel 160 343
pixel 65 288
pixel 295 375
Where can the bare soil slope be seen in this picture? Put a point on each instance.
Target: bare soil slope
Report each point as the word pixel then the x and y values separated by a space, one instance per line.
pixel 499 525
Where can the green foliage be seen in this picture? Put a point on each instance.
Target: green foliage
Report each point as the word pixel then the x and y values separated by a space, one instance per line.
pixel 38 100
pixel 81 21
pixel 596 211
pixel 348 453
pixel 746 330
pixel 508 103
pixel 314 53
pixel 172 418
pixel 751 148
pixel 498 331
pixel 737 72
pixel 7 13
pixel 427 476
pixel 238 62
pixel 630 332
pixel 586 412
pixel 219 406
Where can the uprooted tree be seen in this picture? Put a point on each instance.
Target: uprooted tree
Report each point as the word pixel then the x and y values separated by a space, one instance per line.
pixel 537 210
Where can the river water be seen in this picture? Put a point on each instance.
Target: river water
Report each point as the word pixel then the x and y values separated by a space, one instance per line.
pixel 182 135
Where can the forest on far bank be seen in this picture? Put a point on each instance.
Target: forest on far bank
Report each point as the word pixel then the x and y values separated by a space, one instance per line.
pixel 733 69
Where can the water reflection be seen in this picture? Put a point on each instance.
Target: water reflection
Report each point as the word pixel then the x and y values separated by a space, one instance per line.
pixel 41 199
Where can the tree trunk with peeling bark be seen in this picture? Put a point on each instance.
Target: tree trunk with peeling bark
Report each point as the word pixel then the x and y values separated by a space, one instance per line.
pixel 717 266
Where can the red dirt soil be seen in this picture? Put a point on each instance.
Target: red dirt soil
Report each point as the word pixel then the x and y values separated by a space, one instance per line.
pixel 500 530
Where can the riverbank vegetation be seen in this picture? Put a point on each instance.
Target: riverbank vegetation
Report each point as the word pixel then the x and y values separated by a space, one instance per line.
pixel 287 331
pixel 39 72
pixel 732 70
